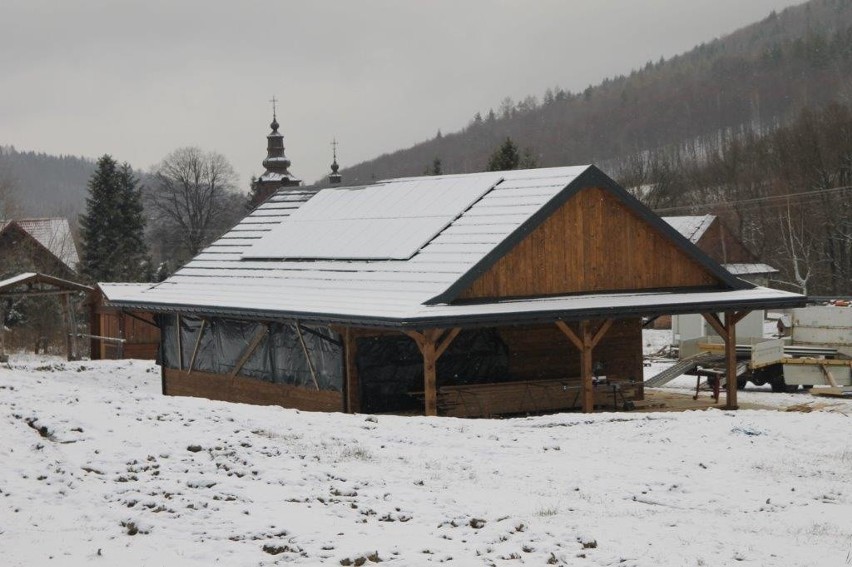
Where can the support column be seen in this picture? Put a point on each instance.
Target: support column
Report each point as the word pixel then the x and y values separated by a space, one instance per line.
pixel 432 345
pixel 586 343
pixel 728 332
pixel 353 386
pixel 66 325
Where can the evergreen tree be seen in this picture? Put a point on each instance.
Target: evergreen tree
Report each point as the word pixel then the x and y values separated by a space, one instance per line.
pixel 437 167
pixel 506 157
pixel 135 262
pixel 113 227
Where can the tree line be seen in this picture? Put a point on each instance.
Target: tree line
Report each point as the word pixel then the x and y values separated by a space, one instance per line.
pixel 758 77
pixel 787 193
pixel 142 226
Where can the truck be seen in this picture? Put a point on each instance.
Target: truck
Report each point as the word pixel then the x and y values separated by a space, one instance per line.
pixel 816 351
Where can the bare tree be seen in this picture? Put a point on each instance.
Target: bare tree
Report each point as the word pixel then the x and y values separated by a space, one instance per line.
pixel 190 195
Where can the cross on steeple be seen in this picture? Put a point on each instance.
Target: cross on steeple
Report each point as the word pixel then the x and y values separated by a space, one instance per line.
pixel 334 148
pixel 274 100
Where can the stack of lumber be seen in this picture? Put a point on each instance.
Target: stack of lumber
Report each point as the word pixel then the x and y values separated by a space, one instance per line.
pixel 531 396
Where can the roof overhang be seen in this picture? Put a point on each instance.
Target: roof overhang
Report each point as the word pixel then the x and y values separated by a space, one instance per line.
pixel 513 312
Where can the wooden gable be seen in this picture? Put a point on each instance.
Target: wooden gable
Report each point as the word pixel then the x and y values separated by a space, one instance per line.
pixel 719 243
pixel 592 243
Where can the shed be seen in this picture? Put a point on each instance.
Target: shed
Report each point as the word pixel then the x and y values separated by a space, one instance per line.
pixel 466 295
pixel 44 245
pixel 120 333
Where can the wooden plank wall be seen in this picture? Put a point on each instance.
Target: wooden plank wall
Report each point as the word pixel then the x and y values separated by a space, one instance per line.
pixel 143 339
pixel 544 352
pixel 246 390
pixel 593 243
pixel 720 244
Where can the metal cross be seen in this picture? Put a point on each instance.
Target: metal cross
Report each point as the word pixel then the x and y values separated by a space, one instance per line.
pixel 334 147
pixel 273 101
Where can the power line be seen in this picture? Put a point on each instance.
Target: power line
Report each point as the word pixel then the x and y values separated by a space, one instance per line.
pixel 754 200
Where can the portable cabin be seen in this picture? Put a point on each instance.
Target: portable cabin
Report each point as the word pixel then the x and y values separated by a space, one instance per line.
pixel 465 295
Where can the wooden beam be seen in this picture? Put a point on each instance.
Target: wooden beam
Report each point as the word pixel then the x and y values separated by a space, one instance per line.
pixel 431 351
pixel 353 387
pixel 197 344
pixel 599 334
pixel 738 316
pixel 446 340
pixel 586 372
pixel 716 323
pixel 258 336
pixel 731 360
pixel 179 349
pixel 569 332
pixel 307 354
pixel 66 324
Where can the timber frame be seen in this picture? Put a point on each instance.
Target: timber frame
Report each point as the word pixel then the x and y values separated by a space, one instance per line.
pixel 33 284
pixel 544 278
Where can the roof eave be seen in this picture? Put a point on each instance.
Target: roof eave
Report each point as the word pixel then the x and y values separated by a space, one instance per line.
pixel 480 319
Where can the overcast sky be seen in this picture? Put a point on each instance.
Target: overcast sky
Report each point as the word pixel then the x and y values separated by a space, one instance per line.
pixel 138 79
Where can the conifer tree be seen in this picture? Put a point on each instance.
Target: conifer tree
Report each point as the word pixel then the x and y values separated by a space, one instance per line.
pixel 506 157
pixel 112 229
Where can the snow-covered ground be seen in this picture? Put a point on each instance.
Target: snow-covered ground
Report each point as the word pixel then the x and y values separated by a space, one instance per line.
pixel 98 467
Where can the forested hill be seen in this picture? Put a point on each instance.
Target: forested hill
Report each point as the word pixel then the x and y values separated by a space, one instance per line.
pixel 755 78
pixel 37 184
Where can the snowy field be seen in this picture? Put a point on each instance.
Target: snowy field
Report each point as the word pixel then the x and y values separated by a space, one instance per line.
pixel 99 468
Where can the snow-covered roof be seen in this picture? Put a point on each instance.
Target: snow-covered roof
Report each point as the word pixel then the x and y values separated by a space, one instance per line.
pixel 36 278
pixel 749 269
pixel 691 227
pixel 52 233
pixel 226 278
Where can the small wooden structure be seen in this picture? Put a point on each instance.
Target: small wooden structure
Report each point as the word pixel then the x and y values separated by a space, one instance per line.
pixel 39 285
pixel 466 295
pixel 116 333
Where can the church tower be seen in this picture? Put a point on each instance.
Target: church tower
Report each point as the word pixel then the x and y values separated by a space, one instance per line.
pixel 334 178
pixel 277 174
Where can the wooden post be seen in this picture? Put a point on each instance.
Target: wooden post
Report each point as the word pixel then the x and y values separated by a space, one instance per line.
pixel 432 349
pixel 307 354
pixel 586 343
pixel 179 349
pixel 66 324
pixel 731 360
pixel 250 348
pixel 728 331
pixel 353 387
pixel 195 349
pixel 586 372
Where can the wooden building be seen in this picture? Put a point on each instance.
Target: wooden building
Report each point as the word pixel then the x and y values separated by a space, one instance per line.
pixel 467 295
pixel 117 333
pixel 43 245
pixel 712 237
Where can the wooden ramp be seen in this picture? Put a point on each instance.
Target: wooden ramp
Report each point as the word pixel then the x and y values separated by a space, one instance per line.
pixel 680 368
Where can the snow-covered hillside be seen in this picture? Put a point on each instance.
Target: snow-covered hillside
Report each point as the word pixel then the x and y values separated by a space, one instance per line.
pixel 98 467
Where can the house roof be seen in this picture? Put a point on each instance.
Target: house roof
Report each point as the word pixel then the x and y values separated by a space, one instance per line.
pixel 32 278
pixel 232 277
pixel 691 227
pixel 54 234
pixel 750 269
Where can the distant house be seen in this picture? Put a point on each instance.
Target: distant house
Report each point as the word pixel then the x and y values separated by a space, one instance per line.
pixel 464 295
pixel 711 235
pixel 43 245
pixel 44 249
